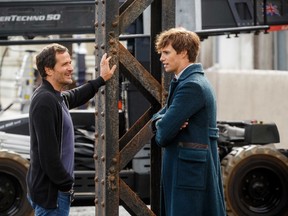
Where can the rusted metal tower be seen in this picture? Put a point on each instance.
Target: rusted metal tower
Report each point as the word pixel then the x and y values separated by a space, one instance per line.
pixel 112 153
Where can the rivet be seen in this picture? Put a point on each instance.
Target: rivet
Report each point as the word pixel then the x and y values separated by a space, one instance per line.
pixel 103 23
pixel 103 136
pixel 114 51
pixel 95 156
pixel 102 182
pixel 102 204
pixel 96 179
pixel 103 158
pixel 102 114
pixel 96 135
pixel 114 160
pixel 111 42
pixel 114 24
pixel 102 46
pixel 112 169
pixel 96 201
pixel 112 34
pixel 102 91
pixel 96 24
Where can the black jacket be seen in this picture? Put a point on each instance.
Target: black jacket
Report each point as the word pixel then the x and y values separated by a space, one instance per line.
pixel 46 174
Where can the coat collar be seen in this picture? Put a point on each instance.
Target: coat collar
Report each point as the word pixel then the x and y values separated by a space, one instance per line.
pixel 194 68
pixel 47 86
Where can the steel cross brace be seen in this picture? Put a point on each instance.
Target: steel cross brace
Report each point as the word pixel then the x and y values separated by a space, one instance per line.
pixel 111 154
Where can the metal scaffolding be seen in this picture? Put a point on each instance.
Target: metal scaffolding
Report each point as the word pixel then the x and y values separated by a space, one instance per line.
pixel 112 153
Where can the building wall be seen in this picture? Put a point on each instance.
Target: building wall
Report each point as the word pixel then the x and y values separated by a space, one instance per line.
pixel 246 51
pixel 252 95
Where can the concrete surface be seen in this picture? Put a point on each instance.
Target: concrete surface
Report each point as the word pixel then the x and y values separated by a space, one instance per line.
pixel 90 211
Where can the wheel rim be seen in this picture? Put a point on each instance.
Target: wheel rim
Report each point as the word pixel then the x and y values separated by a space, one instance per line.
pixel 10 195
pixel 260 190
pixel 255 181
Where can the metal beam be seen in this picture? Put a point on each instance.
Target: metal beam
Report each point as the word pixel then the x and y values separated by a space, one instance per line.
pixel 135 145
pixel 107 120
pixel 134 203
pixel 162 17
pixel 139 75
pixel 108 160
pixel 132 12
pixel 134 129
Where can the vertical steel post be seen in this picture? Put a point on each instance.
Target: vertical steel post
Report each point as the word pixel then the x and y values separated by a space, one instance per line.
pixel 168 21
pixel 156 158
pixel 106 153
pixel 162 17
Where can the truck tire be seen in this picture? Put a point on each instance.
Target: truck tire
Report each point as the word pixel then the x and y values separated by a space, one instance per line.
pixel 255 180
pixel 13 192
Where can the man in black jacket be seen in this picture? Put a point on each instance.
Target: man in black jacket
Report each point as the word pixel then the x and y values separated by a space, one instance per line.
pixel 50 176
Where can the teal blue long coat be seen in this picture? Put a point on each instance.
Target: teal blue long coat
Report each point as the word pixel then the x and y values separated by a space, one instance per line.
pixel 191 177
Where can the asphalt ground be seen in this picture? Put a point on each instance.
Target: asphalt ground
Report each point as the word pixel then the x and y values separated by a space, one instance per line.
pixel 90 211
